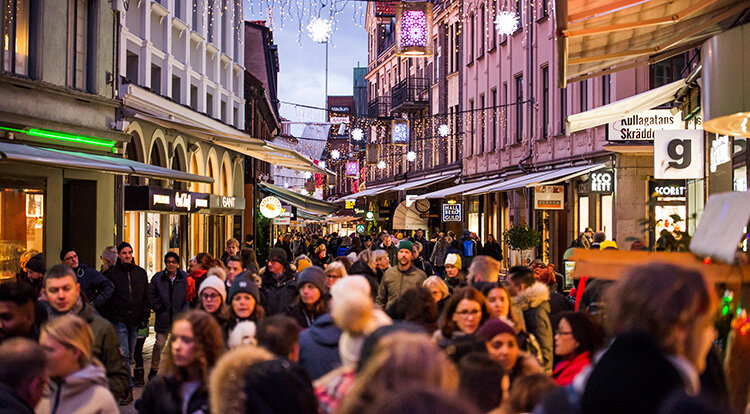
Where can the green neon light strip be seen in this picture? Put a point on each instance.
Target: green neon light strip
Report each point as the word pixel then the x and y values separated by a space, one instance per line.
pixel 44 133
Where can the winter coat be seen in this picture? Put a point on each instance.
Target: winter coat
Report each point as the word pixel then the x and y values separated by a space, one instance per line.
pixel 319 347
pixel 467 259
pixel 162 396
pixel 167 298
pixel 395 282
pixel 493 250
pixel 299 312
pixel 97 288
pixel 566 371
pixel 439 253
pixel 279 294
pixel 11 402
pixel 320 261
pixel 392 253
pixel 129 303
pixel 363 269
pixel 84 391
pixel 534 302
pixel 424 266
pixel 456 282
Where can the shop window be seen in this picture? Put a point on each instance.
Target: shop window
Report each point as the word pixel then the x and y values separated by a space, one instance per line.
pixel 740 179
pixel 21 227
pixel 16 36
pixel 667 71
pixel 583 213
pixel 607 215
pixel 474 216
pixel 519 108
pixel 153 244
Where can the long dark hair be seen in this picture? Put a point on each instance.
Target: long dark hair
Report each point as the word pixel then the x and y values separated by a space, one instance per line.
pixel 585 331
pixel 447 326
pixel 209 344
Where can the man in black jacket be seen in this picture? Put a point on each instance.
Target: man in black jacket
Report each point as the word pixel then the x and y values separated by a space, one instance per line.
pixel 97 288
pixel 23 376
pixel 279 287
pixel 129 306
pixel 167 295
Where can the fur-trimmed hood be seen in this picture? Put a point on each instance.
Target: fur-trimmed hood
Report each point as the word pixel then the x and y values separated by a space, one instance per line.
pixel 533 296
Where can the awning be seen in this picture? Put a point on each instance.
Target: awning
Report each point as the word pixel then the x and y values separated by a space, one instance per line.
pixel 623 108
pixel 413 185
pixel 19 153
pixel 538 178
pixel 367 192
pixel 312 205
pixel 513 183
pixel 566 174
pixel 464 188
pixel 408 218
pixel 304 215
pixel 596 37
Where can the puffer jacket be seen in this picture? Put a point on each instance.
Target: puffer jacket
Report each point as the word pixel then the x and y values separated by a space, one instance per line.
pixel 168 298
pixel 319 347
pixel 129 303
pixel 395 283
pixel 84 391
pixel 162 396
pixel 534 302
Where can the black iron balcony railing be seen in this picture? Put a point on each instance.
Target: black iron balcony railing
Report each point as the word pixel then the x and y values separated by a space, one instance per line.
pixel 380 106
pixel 410 94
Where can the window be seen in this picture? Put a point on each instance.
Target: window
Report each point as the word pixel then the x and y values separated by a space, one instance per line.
pixel 472 40
pixel 545 101
pixel 519 108
pixel 196 13
pixel 436 58
pixel 543 12
pixel 16 36
pixel 483 120
pixel 471 127
pixel 584 95
pixel 131 66
pixel 481 30
pixel 493 29
pixel 176 88
pixel 519 13
pixel 209 105
pixel 223 111
pixel 505 137
pixel 606 97
pixel 457 49
pixel 78 26
pixel 667 71
pixel 452 47
pixel 156 79
pixel 178 9
pixel 194 97
pixel 563 108
pixel 493 121
pixel 210 22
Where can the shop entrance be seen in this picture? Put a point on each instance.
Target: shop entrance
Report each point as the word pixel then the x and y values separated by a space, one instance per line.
pixel 79 219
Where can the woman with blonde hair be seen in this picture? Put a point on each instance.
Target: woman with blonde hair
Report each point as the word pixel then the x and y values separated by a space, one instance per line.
pixel 78 381
pixel 438 290
pixel 334 272
pixel 401 360
pixel 194 346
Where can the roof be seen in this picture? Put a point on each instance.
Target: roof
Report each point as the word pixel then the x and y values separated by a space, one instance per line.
pixel 385 8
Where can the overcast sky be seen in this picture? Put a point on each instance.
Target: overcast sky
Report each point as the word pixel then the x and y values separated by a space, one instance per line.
pixel 302 63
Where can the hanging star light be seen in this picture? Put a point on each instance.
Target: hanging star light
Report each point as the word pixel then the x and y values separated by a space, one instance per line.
pixel 381 165
pixel 357 134
pixel 444 130
pixel 506 22
pixel 308 175
pixel 335 154
pixel 322 164
pixel 411 156
pixel 320 29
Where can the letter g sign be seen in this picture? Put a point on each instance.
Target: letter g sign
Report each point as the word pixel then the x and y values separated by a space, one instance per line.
pixel 678 154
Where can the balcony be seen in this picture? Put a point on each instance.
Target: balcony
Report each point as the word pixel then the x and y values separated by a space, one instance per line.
pixel 411 94
pixel 379 107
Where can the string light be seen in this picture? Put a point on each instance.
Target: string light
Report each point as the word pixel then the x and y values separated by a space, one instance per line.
pixel 506 22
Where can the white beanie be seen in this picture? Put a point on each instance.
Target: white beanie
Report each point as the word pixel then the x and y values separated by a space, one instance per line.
pixel 214 282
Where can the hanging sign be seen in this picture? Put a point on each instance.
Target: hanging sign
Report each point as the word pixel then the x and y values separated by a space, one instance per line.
pixel 282 221
pixel 270 207
pixel 667 190
pixel 549 197
pixel 452 212
pixel 352 168
pixel 360 229
pixel 641 126
pixel 413 23
pixel 349 204
pixel 720 153
pixel 369 216
pixel 678 154
pixel 602 182
pixel 400 132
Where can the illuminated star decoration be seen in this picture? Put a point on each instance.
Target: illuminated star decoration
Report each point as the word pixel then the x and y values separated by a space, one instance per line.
pixel 414 29
pixel 335 154
pixel 357 134
pixel 308 175
pixel 506 23
pixel 322 164
pixel 320 29
pixel 411 156
pixel 381 165
pixel 443 130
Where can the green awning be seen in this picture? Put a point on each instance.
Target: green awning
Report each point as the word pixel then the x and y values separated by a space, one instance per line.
pixel 310 204
pixel 304 215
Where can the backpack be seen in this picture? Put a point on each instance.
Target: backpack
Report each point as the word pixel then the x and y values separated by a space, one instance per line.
pixel 468 246
pixel 342 250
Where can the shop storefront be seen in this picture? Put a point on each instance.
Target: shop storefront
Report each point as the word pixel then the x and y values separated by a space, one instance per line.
pixel 22 204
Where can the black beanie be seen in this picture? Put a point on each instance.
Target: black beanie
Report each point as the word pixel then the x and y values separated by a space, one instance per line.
pixel 65 251
pixel 242 285
pixel 278 255
pixel 36 264
pixel 279 386
pixel 314 275
pixel 122 246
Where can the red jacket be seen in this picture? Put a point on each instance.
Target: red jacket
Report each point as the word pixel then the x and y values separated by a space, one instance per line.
pixel 566 370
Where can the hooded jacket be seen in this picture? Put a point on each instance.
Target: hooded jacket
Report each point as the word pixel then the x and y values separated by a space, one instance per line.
pixel 129 303
pixel 319 347
pixel 84 391
pixel 162 396
pixel 534 302
pixel 168 298
pixel 97 288
pixel 395 282
pixel 278 294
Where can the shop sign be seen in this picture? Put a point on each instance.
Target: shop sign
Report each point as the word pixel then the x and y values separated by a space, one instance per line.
pixel 549 197
pixel 452 212
pixel 339 120
pixel 602 181
pixel 352 168
pixel 270 207
pixel 385 210
pixel 678 154
pixel 641 126
pixel 667 190
pixel 720 153
pixel 228 204
pixel 200 200
pixel 360 229
pixel 370 216
pixel 150 198
pixel 340 109
pixel 349 204
pixel 282 221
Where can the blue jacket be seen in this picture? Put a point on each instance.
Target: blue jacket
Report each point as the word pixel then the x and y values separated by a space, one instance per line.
pixel 167 298
pixel 97 288
pixel 319 347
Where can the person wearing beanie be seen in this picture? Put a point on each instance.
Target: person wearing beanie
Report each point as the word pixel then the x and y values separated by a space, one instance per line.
pixel 97 288
pixel 502 346
pixel 278 282
pixel 454 276
pixel 312 299
pixel 244 304
pixel 35 269
pixel 400 278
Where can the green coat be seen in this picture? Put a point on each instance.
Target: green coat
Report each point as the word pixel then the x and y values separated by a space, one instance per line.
pixel 395 282
pixel 107 350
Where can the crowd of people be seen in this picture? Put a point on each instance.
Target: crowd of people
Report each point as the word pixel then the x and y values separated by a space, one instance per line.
pixel 350 324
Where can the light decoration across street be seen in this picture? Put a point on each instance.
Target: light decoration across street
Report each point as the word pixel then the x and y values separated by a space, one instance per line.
pixel 506 22
pixel 411 156
pixel 413 22
pixel 320 29
pixel 444 130
pixel 357 134
pixel 335 154
pixel 381 165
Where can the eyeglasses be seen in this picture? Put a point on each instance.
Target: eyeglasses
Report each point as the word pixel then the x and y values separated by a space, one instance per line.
pixel 472 312
pixel 171 262
pixel 211 296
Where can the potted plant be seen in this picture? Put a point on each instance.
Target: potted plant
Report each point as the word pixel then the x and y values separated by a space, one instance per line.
pixel 521 241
